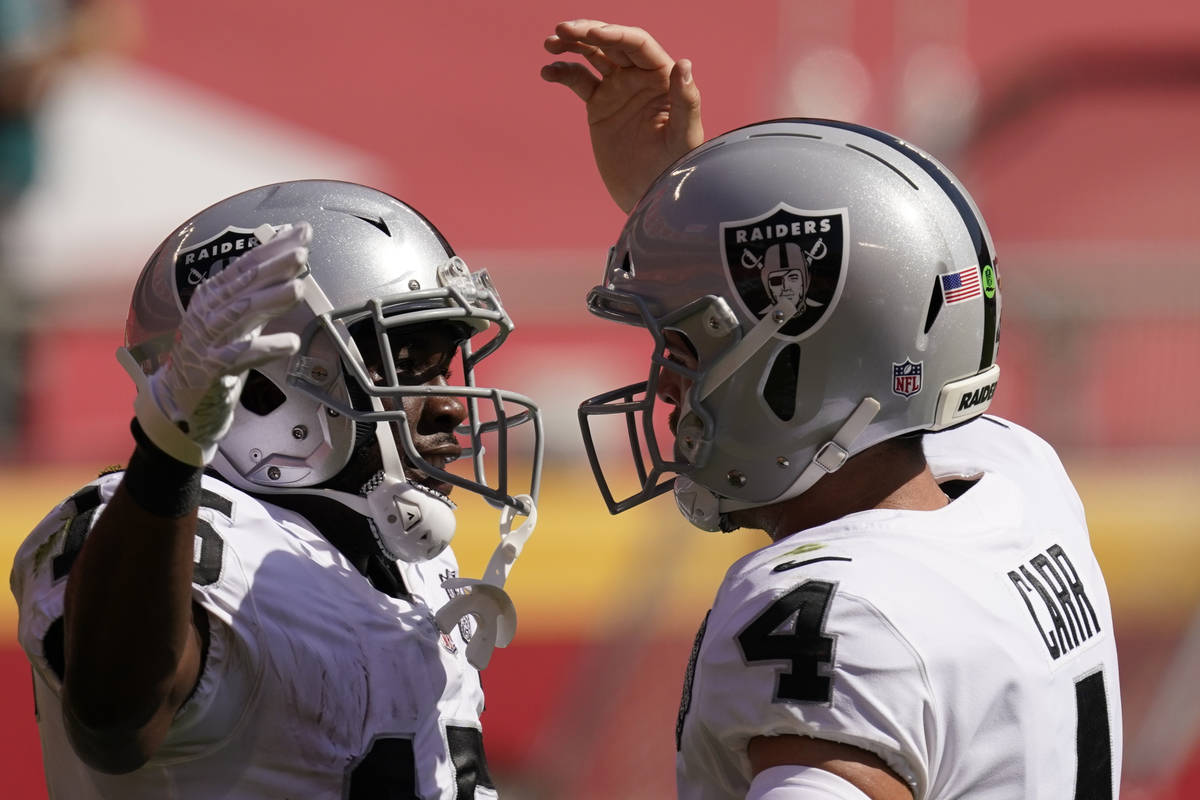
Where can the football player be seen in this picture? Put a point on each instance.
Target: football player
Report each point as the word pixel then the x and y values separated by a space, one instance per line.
pixel 928 619
pixel 263 603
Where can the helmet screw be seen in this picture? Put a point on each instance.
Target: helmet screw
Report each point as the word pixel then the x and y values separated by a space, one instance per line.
pixel 273 473
pixel 319 374
pixel 782 462
pixel 391 518
pixel 713 324
pixel 414 285
pixel 331 412
pixel 735 478
pixel 777 315
pixel 256 454
pixel 299 432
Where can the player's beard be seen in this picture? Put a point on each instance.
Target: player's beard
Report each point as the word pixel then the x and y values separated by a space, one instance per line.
pixel 365 463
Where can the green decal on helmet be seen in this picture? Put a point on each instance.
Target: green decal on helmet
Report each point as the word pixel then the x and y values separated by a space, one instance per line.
pixel 989 281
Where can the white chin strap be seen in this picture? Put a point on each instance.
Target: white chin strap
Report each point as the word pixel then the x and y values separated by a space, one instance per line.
pixel 485 599
pixel 705 509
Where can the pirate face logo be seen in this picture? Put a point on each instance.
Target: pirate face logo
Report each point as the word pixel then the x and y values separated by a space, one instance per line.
pixel 202 261
pixel 787 254
pixel 787 276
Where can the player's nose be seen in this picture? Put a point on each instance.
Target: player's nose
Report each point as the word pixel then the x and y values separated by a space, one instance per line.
pixel 670 386
pixel 442 413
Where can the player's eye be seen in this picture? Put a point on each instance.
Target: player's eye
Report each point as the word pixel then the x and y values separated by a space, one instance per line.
pixel 680 350
pixel 675 358
pixel 419 353
pixel 420 361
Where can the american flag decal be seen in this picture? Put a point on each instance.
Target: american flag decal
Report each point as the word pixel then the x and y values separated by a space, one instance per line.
pixel 961 285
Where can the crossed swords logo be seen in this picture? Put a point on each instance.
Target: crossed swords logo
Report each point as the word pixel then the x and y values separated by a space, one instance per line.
pixel 792 282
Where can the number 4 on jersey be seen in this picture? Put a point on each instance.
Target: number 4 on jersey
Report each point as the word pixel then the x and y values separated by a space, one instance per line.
pixel 791 630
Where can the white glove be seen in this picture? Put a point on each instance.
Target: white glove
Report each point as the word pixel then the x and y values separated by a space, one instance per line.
pixel 187 405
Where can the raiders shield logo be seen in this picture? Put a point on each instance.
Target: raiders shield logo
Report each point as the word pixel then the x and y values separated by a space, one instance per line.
pixel 200 262
pixel 788 253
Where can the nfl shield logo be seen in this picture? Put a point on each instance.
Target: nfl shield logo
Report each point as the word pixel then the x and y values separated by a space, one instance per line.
pixel 906 378
pixel 788 253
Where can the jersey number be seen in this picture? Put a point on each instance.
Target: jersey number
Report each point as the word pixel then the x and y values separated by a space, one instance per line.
pixel 389 769
pixel 1093 748
pixel 805 646
pixel 209 547
pixel 802 643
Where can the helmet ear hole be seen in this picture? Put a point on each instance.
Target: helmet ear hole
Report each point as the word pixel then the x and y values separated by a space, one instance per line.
pixel 260 395
pixel 780 388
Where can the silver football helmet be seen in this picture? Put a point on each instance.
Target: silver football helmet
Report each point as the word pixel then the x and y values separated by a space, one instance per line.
pixel 377 270
pixel 839 288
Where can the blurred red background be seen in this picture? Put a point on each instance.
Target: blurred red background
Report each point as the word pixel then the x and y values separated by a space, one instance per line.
pixel 1075 125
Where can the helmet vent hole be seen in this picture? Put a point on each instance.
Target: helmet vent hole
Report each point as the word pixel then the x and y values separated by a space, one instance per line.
pixel 780 389
pixel 935 304
pixel 260 395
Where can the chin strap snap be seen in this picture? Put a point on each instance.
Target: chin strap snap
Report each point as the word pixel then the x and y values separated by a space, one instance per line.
pixel 485 599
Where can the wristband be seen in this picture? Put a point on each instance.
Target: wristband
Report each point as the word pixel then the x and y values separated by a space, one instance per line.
pixel 158 483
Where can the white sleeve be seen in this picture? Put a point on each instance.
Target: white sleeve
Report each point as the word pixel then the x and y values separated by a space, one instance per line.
pixel 763 672
pixel 232 664
pixel 795 782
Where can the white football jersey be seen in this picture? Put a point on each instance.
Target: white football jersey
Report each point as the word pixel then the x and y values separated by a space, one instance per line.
pixel 970 647
pixel 315 684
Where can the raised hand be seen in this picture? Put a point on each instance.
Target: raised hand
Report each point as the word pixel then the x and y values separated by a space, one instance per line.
pixel 643 109
pixel 187 405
